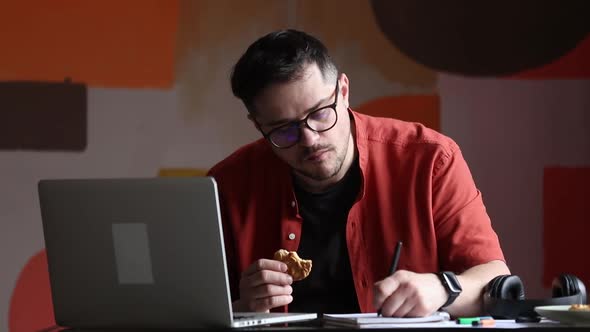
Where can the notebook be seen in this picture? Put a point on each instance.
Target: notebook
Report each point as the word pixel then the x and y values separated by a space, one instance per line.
pixel 139 253
pixel 373 320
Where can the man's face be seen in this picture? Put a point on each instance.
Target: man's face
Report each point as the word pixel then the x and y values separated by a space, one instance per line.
pixel 320 158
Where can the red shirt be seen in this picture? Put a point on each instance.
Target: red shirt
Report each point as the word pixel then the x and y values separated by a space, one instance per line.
pixel 415 187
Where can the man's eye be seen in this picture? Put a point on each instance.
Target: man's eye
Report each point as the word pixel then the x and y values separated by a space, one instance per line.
pixel 321 114
pixel 288 128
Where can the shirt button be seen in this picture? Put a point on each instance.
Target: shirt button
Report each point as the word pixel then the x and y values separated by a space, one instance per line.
pixel 292 204
pixel 291 236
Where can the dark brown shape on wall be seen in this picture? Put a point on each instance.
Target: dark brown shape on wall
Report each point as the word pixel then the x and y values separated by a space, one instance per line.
pixel 483 38
pixel 43 116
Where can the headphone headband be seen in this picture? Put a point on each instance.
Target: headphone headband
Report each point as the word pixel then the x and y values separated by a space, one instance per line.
pixel 508 308
pixel 504 296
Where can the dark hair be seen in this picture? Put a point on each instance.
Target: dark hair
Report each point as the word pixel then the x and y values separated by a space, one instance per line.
pixel 278 57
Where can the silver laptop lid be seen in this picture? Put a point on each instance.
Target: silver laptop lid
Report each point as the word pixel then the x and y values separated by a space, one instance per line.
pixel 135 252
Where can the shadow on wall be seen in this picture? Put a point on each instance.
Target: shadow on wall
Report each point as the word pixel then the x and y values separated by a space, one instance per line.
pixel 43 116
pixel 470 38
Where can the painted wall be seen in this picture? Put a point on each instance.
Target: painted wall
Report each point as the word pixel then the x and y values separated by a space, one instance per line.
pixel 158 97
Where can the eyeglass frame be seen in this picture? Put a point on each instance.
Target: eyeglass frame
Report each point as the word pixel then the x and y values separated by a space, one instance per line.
pixel 300 123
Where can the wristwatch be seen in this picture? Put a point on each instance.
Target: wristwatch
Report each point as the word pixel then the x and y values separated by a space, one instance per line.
pixel 451 284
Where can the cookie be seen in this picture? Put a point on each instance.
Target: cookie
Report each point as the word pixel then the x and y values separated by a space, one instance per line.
pixel 580 307
pixel 298 268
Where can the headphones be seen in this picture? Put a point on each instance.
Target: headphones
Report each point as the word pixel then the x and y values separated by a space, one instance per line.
pixel 504 298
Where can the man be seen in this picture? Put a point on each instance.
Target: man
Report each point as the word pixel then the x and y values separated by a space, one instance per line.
pixel 341 189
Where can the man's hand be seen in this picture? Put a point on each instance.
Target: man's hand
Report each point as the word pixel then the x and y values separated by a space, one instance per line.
pixel 409 294
pixel 263 286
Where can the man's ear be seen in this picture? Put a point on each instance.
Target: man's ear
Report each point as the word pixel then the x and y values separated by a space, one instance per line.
pixel 345 89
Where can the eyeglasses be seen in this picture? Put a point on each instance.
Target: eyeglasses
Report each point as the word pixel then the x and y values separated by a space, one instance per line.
pixel 320 120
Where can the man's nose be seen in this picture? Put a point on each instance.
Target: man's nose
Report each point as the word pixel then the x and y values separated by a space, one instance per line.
pixel 308 136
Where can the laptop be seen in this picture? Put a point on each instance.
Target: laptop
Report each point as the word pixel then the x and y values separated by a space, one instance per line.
pixel 140 253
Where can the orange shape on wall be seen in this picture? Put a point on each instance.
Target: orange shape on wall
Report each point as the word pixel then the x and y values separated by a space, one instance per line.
pixel 420 108
pixel 566 223
pixel 575 64
pixel 31 308
pixel 101 43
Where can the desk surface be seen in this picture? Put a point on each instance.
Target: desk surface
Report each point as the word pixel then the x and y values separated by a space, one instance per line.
pixel 416 329
pixel 317 326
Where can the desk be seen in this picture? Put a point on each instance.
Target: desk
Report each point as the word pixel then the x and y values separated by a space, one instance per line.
pixel 316 326
pixel 309 329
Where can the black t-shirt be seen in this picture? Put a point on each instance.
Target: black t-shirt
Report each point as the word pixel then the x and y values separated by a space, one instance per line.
pixel 329 288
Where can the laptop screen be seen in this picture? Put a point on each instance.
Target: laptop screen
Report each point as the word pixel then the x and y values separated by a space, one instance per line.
pixel 138 252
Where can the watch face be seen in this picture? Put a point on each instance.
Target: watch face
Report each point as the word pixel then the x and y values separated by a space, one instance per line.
pixel 452 282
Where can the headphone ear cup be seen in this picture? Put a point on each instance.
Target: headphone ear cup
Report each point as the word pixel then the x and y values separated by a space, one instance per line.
pixel 511 288
pixel 568 285
pixel 492 288
pixel 582 287
pixel 506 287
pixel 563 285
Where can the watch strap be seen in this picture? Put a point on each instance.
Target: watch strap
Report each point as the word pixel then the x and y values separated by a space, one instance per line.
pixel 453 294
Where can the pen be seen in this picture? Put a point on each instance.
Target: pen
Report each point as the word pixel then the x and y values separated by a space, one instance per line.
pixel 398 250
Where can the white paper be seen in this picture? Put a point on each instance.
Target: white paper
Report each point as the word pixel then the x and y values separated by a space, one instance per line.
pixel 437 320
pixel 370 320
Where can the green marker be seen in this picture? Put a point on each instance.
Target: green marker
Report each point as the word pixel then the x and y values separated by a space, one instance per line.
pixel 470 320
pixel 467 320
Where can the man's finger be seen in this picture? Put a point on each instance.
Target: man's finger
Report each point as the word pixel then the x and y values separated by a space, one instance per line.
pixel 266 277
pixel 269 290
pixel 268 303
pixel 265 264
pixel 399 302
pixel 383 289
pixel 393 303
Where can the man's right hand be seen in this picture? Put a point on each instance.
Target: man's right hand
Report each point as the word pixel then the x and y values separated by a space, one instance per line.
pixel 263 286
